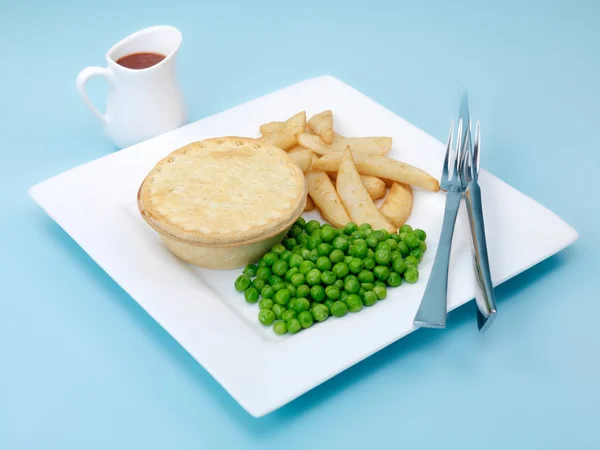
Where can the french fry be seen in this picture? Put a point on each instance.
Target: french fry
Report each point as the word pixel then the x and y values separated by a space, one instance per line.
pixel 367 145
pixel 356 198
pixel 322 125
pixel 398 204
pixel 381 167
pixel 270 127
pixel 302 158
pixel 374 185
pixel 323 193
pixel 310 204
pixel 286 135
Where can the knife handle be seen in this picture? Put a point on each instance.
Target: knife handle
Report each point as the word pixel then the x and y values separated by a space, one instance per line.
pixel 485 298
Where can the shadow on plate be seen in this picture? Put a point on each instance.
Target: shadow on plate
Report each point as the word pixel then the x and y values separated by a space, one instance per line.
pixel 414 342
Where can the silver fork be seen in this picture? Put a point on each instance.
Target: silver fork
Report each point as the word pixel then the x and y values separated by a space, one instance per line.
pixel 432 311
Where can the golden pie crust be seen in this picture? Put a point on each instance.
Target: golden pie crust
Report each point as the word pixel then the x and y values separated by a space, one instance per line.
pixel 223 202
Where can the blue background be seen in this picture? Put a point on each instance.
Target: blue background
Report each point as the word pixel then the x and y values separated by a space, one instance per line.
pixel 83 367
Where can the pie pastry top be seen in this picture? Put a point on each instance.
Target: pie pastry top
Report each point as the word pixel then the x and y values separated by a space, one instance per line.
pixel 223 191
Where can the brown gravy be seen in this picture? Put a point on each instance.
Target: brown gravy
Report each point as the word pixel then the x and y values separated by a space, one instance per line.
pixel 141 60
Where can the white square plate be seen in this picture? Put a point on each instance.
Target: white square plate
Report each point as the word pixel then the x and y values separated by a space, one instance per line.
pixel 96 204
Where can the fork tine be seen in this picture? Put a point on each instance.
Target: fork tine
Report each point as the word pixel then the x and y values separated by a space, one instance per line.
pixel 476 151
pixel 458 152
pixel 448 150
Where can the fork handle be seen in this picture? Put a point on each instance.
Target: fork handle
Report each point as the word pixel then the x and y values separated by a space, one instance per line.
pixel 432 312
pixel 485 298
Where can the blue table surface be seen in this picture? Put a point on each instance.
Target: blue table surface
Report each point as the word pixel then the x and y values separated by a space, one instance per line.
pixel 82 366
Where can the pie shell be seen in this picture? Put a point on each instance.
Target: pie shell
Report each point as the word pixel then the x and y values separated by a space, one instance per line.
pixel 222 203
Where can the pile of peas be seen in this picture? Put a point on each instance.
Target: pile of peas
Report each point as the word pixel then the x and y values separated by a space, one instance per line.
pixel 318 271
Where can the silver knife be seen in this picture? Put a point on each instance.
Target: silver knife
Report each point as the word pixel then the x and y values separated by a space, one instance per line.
pixel 485 298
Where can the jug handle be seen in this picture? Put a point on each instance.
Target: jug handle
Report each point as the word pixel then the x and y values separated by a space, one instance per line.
pixel 84 76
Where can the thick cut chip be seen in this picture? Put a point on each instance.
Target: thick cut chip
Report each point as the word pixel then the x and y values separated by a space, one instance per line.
pixel 310 204
pixel 356 198
pixel 323 193
pixel 398 204
pixel 286 135
pixel 374 185
pixel 322 125
pixel 367 145
pixel 270 127
pixel 381 167
pixel 302 158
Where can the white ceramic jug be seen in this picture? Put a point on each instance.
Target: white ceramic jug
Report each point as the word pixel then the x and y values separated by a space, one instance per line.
pixel 141 103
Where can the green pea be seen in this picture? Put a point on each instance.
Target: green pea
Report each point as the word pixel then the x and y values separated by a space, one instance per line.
pixel 391 243
pixel 361 292
pixel 280 267
pixel 378 235
pixel 317 293
pixel 360 249
pixel 278 286
pixel 369 298
pixel 328 278
pixel 290 287
pixel 312 226
pixel 288 315
pixel 301 222
pixel 280 328
pixel 412 241
pixel 332 292
pixel 336 256
pixel 358 234
pixel 305 253
pixel 369 263
pixel 295 231
pixel 251 295
pixel 289 243
pixel 274 279
pixel 356 265
pixel 403 249
pixel 293 326
pixel 314 255
pixel 297 279
pixel 258 284
pixel 348 259
pixel 370 253
pixel 350 228
pixel 302 291
pixel 313 242
pixel 420 234
pixel 317 235
pixel 328 234
pixel 381 272
pixel 394 255
pixel 343 296
pixel 411 261
pixel 250 270
pixel 278 310
pixel 263 273
pixel 379 283
pixel 328 302
pixel 266 316
pixel 367 232
pixel 339 284
pixel 399 266
pixel 302 304
pixel 411 275
pixel 292 303
pixel 267 292
pixel 341 269
pixel 365 226
pixel 366 276
pixel 290 273
pixel 306 319
pixel 422 246
pixel 265 303
pixel 323 263
pixel 324 249
pixel 405 229
pixel 383 257
pixel 296 251
pixel 367 286
pixel 286 255
pixel 402 236
pixel 383 246
pixel 278 249
pixel 262 263
pixel 372 241
pixel 242 283
pixel 380 292
pixel 395 237
pixel 352 286
pixel 295 260
pixel 338 309
pixel 354 303
pixel 305 267
pixel 385 234
pixel 417 254
pixel 320 313
pixel 340 243
pixel 283 297
pixel 394 280
pixel 313 277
